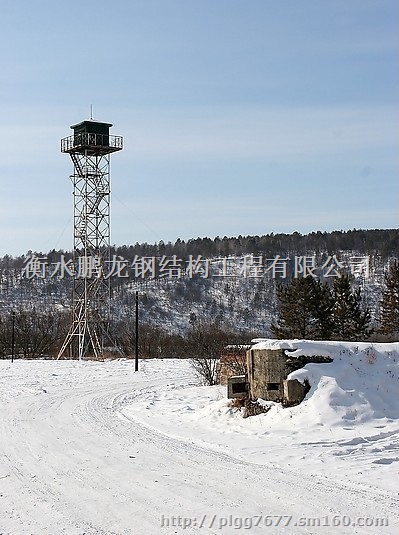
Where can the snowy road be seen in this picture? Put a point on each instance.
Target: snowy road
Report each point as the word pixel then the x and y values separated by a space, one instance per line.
pixel 72 463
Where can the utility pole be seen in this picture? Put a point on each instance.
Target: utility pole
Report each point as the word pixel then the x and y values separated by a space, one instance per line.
pixel 12 336
pixel 136 362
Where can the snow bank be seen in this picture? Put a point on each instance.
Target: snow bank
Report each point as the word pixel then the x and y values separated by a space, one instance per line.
pixel 347 426
pixel 361 384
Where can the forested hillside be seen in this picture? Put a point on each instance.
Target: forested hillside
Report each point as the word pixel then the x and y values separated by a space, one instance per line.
pixel 382 242
pixel 229 283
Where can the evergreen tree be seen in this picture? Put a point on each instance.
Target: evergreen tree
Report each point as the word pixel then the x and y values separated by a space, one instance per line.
pixel 323 311
pixel 351 322
pixel 304 309
pixel 389 318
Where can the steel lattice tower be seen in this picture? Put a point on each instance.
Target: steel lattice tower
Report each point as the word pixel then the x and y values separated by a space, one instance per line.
pixel 90 148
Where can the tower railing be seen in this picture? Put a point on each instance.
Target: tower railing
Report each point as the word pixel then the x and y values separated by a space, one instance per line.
pixel 85 140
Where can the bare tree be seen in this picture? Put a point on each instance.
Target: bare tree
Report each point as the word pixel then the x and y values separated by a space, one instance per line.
pixel 205 344
pixel 36 333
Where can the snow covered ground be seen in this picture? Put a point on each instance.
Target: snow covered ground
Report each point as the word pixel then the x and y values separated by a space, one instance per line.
pixel 95 448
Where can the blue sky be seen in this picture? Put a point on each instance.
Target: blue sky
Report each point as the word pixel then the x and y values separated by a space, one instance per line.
pixel 239 116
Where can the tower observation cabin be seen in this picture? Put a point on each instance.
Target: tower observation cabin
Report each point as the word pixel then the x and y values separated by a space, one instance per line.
pixel 91 137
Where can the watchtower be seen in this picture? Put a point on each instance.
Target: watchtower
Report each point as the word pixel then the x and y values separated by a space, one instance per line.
pixel 90 147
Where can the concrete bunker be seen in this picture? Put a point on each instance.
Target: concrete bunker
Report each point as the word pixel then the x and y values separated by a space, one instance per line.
pixel 266 378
